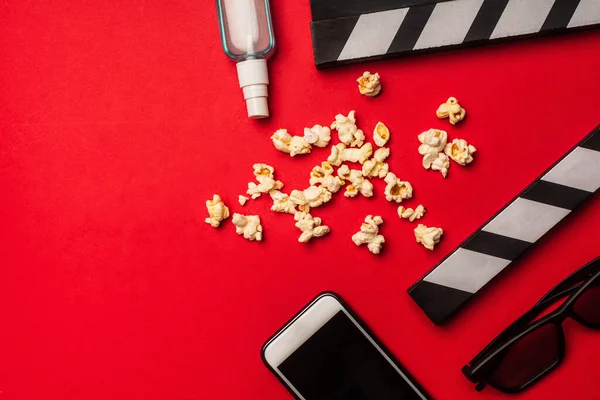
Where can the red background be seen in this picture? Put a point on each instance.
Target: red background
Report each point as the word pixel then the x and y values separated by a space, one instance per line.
pixel 119 119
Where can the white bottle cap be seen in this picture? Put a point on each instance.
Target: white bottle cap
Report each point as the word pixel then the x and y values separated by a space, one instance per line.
pixel 254 80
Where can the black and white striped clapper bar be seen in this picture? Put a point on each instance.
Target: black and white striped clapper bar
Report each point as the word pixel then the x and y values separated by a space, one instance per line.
pixel 345 31
pixel 495 245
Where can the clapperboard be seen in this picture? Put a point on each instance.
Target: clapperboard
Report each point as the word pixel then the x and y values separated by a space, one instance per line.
pixel 346 31
pixel 517 227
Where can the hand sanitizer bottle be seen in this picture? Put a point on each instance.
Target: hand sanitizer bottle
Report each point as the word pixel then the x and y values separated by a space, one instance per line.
pixel 247 38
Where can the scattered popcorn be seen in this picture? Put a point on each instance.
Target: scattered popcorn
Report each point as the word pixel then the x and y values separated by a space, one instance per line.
pixel 441 163
pixel 293 145
pixel 340 153
pixel 433 142
pixel 381 134
pixel 358 184
pixel 317 135
pixel 369 84
pixel 410 214
pixel 266 181
pixel 451 109
pixel 397 190
pixel 313 196
pixel 376 167
pixel 248 225
pixel 217 211
pixel 282 202
pixel 460 151
pixel 369 234
pixel 242 200
pixel 429 237
pixel 310 227
pixel 347 131
pixel 324 175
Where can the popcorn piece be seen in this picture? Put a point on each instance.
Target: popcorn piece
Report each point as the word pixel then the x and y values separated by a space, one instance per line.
pixel 397 190
pixel 433 142
pixel 310 227
pixel 369 234
pixel 410 214
pixel 441 164
pixel 359 139
pixel 242 200
pixel 376 167
pixel 332 183
pixel 451 109
pixel 313 196
pixel 266 181
pixel 317 135
pixel 282 202
pixel 293 145
pixel 358 184
pixel 368 84
pixel 217 211
pixel 248 225
pixel 344 172
pixel 429 237
pixel 299 146
pixel 433 139
pixel 337 151
pixel 263 170
pixel 381 134
pixel 460 151
pixel 347 131
pixel 324 175
pixel 282 140
pixel 318 173
pixel 340 153
pixel 359 155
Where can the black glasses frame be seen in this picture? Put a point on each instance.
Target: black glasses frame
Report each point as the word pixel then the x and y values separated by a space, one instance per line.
pixel 482 366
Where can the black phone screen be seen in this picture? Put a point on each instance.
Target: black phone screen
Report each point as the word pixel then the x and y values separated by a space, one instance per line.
pixel 340 362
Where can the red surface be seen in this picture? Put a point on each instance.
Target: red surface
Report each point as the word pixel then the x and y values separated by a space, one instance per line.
pixel 119 119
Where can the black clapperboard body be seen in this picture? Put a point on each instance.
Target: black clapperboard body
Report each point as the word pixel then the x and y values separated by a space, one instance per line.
pixel 556 194
pixel 348 31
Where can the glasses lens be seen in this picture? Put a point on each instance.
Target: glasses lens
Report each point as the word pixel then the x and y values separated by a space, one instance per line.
pixel 528 358
pixel 587 306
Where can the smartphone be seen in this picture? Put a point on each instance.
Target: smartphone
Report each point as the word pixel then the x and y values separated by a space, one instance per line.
pixel 327 352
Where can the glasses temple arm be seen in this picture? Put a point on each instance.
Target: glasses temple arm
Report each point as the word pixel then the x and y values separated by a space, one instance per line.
pixel 566 286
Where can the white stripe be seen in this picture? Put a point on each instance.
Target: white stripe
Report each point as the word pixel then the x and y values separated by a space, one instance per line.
pixel 449 23
pixel 373 34
pixel 580 169
pixel 467 270
pixel 521 17
pixel 587 13
pixel 526 220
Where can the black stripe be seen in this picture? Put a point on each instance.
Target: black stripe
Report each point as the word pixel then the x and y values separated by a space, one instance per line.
pixel 556 195
pixel 331 9
pixel 329 38
pixel 437 301
pixel 413 24
pixel 560 14
pixel 593 141
pixel 496 245
pixel 486 20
